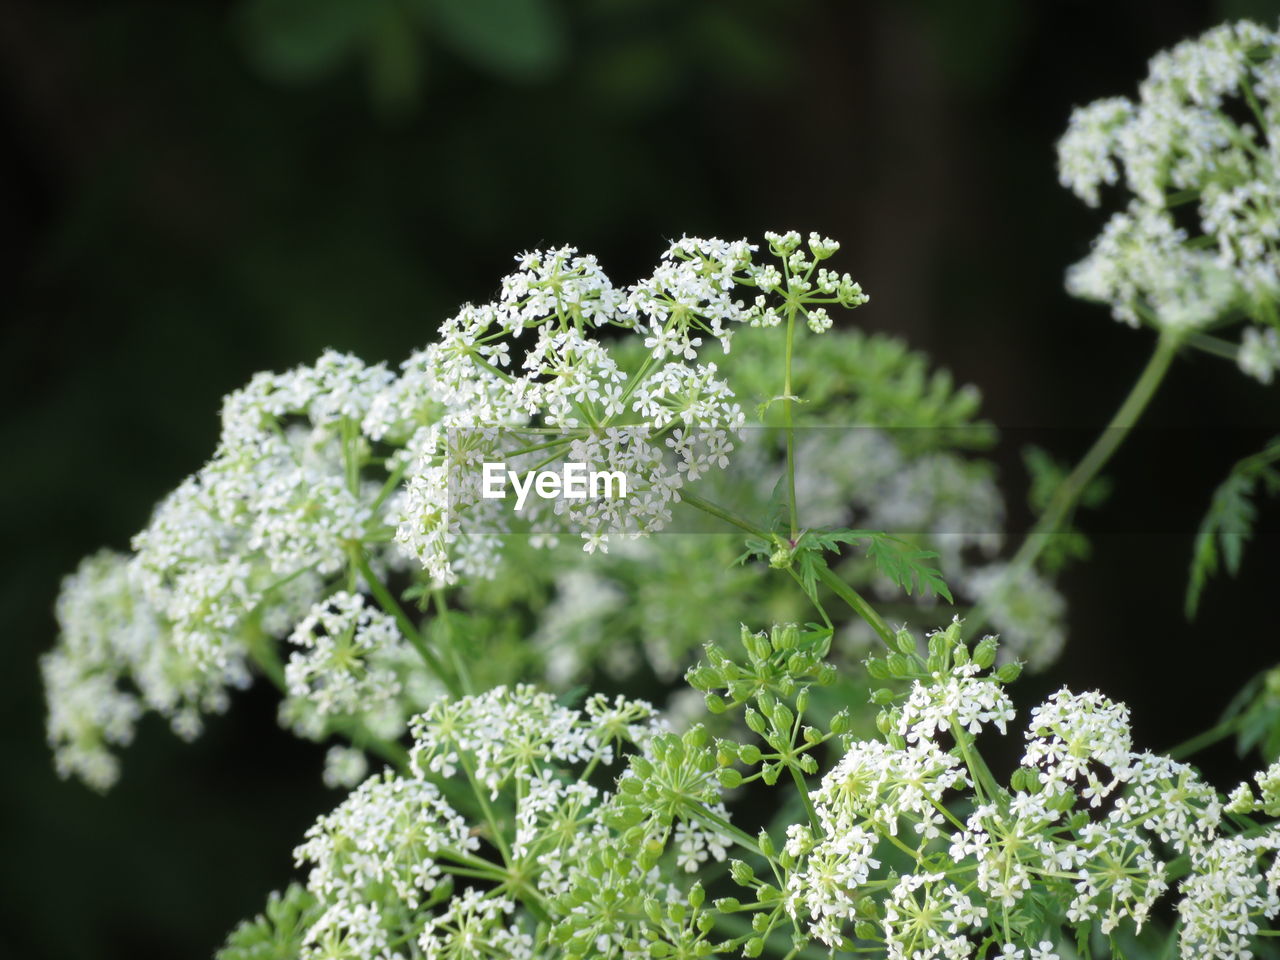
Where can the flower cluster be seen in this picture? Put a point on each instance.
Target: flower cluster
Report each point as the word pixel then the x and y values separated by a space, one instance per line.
pixel 1085 833
pixel 496 815
pixel 663 416
pixel 116 658
pixel 1199 133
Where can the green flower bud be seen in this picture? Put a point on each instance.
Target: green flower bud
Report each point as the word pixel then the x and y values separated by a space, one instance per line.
pixel 984 654
pixel 765 843
pixel 783 718
pixel 729 778
pixel 1009 672
pixel 786 637
pixel 899 666
pixel 904 641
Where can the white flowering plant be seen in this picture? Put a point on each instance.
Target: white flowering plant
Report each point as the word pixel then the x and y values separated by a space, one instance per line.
pixel 830 785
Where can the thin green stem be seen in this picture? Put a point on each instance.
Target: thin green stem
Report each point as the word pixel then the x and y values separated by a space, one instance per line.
pixel 1206 739
pixel 1068 492
pixel 803 789
pixel 856 602
pixel 458 662
pixel 721 513
pixel 789 425
pixel 407 626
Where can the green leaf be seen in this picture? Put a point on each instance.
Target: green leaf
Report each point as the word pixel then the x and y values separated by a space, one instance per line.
pixel 908 566
pixel 277 932
pixel 521 39
pixel 1229 523
pixel 901 561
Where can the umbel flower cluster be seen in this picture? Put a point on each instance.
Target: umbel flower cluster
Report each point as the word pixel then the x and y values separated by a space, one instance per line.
pixel 906 846
pixel 795 797
pixel 335 482
pixel 1195 245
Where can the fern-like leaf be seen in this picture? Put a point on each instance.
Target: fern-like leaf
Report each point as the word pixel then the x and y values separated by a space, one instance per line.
pixel 1229 524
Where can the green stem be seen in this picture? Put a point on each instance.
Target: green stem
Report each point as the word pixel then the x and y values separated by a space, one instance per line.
pixel 456 659
pixel 856 602
pixel 720 513
pixel 803 788
pixel 1068 492
pixel 1206 739
pixel 789 425
pixel 407 626
pixel 700 811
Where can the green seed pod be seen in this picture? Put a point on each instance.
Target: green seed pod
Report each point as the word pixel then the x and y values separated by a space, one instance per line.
pixel 729 778
pixel 754 721
pixel 753 947
pixel 883 696
pixel 742 873
pixel 1009 672
pixel 904 641
pixel 765 843
pixel 749 753
pixel 840 722
pixel 984 654
pixel 876 669
pixel 786 637
pixel 715 703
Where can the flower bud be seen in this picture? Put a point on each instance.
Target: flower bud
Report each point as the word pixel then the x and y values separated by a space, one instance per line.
pixel 729 778
pixel 765 843
pixel 1009 672
pixel 984 654
pixel 904 641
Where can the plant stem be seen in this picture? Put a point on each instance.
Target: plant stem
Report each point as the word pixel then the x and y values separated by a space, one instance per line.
pixel 1068 492
pixel 789 425
pixel 456 659
pixel 722 514
pixel 856 602
pixel 1209 737
pixel 407 626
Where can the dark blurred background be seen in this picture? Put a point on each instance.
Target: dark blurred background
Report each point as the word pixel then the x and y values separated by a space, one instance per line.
pixel 195 191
